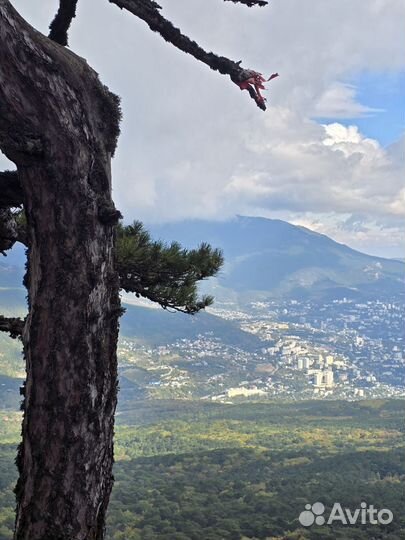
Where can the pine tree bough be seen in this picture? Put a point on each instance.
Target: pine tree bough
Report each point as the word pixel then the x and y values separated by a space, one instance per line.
pixel 148 11
pixel 13 325
pixel 166 274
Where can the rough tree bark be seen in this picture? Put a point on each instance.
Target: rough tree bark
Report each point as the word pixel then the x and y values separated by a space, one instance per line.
pixel 59 125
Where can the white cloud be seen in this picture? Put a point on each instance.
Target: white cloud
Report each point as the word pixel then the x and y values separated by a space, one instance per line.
pixel 339 101
pixel 357 231
pixel 316 168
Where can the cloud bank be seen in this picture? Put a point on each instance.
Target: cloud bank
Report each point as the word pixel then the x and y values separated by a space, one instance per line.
pixel 193 145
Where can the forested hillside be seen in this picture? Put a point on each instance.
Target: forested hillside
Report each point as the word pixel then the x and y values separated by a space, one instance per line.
pixel 202 471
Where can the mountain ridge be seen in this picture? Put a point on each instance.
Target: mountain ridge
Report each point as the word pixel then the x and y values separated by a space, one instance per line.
pixel 272 258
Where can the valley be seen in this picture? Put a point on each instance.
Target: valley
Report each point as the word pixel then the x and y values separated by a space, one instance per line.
pixel 277 350
pixel 288 391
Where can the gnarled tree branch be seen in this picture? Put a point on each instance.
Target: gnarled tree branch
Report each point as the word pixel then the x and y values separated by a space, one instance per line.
pixel 13 325
pixel 11 194
pixel 148 11
pixel 60 25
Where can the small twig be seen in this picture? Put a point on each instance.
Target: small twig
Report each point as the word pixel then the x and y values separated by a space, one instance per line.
pixel 61 23
pixel 249 3
pixel 13 325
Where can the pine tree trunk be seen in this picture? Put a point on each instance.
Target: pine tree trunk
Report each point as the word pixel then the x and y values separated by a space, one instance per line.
pixel 59 125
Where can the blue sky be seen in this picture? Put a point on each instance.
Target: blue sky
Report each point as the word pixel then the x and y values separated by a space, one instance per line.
pixel 380 90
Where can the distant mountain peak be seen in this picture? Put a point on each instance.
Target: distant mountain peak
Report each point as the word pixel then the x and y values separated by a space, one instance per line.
pixel 272 258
